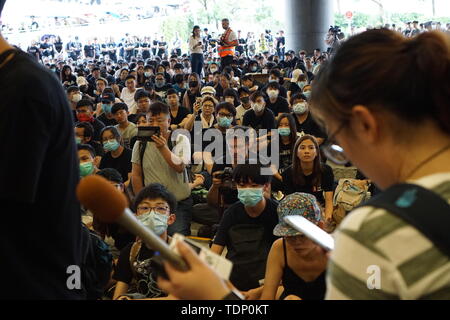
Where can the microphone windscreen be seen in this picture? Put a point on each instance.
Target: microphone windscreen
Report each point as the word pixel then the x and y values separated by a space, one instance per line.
pixel 99 196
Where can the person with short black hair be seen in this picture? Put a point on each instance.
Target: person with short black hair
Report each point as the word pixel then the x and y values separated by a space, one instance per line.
pixel 275 101
pixel 254 217
pixel 107 100
pixel 161 85
pixel 127 129
pixel 116 155
pixel 259 117
pixel 164 160
pixel 84 132
pixel 244 97
pixel 128 92
pixel 85 113
pixel 178 114
pixel 155 207
pixel 305 123
pixel 86 157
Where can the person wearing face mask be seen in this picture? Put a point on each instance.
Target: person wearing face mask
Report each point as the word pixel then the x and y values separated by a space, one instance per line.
pixel 304 120
pixel 259 117
pixel 84 133
pixel 107 101
pixel 116 155
pixel 85 113
pixel 252 218
pixel 193 92
pixel 275 77
pixel 73 96
pixel 213 68
pixel 244 96
pixel 161 85
pixel 155 207
pixel 298 82
pixel 86 157
pixel 275 102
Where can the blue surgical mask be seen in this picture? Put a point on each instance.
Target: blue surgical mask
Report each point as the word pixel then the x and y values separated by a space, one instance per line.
pixel 154 221
pixel 300 108
pixel 307 94
pixel 250 197
pixel 160 84
pixel 78 140
pixel 225 122
pixel 302 84
pixel 111 145
pixel 106 108
pixel 284 132
pixel 148 74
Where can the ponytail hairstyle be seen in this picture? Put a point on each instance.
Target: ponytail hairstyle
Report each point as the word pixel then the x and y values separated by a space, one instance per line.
pixel 384 71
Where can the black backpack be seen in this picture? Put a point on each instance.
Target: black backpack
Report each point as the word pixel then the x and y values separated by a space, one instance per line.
pixel 425 210
pixel 97 264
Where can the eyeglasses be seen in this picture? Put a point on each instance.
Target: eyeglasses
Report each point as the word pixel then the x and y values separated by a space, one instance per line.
pixel 159 209
pixel 333 150
pixel 227 115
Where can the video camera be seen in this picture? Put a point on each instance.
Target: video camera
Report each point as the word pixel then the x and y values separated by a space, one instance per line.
pixel 227 178
pixel 337 32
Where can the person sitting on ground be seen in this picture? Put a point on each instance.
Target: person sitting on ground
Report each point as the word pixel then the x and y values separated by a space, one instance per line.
pixel 309 175
pixel 116 155
pixel 127 129
pixel 85 113
pixel 294 260
pixel 155 207
pixel 84 132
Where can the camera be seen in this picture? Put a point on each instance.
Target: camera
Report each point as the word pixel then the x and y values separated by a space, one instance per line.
pixel 146 133
pixel 335 30
pixel 227 178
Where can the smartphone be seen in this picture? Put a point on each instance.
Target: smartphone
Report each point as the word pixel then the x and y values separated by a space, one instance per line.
pixel 146 133
pixel 312 231
pixel 198 99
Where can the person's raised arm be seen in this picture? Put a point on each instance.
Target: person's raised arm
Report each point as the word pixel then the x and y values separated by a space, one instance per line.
pixel 136 178
pixel 274 271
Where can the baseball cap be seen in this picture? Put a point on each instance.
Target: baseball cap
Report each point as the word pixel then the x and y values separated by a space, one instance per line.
pixel 296 204
pixel 208 90
pixel 295 74
pixel 149 85
pixel 108 97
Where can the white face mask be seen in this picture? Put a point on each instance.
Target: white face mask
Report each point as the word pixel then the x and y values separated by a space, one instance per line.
pixel 258 107
pixel 273 93
pixel 76 98
pixel 214 70
pixel 300 108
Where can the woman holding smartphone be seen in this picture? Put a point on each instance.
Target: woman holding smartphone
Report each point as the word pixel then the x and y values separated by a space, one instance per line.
pixel 196 49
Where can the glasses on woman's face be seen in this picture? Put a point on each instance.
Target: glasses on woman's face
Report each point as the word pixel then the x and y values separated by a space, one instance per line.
pixel 333 150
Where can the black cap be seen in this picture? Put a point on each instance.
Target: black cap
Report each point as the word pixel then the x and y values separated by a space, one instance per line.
pixel 108 97
pixel 149 85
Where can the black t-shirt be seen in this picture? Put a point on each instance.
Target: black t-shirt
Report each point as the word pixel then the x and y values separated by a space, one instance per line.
pixel 121 163
pixel 98 126
pixel 285 152
pixel 99 152
pixel 327 183
pixel 266 121
pixel 182 113
pixel 145 279
pixel 236 215
pixel 309 126
pixel 280 106
pixel 41 232
pixel 294 88
pixel 107 122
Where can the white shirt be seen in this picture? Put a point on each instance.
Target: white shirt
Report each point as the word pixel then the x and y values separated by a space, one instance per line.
pixel 192 43
pixel 128 98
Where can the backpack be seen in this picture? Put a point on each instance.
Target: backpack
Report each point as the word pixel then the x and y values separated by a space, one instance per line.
pixel 425 210
pixel 350 193
pixel 97 264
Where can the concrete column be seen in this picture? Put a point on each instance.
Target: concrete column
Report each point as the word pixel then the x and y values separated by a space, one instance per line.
pixel 307 24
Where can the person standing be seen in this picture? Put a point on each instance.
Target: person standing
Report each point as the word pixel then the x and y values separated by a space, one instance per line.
pixel 227 44
pixel 196 49
pixel 37 183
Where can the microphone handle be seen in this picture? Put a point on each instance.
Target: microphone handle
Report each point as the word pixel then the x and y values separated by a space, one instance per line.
pixel 129 221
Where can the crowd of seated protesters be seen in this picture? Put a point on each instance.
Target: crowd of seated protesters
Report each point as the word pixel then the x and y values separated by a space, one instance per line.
pixel 195 147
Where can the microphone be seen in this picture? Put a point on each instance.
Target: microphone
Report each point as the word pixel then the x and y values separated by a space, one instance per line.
pixel 109 205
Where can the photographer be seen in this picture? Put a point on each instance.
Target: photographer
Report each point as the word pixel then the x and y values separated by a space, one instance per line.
pixel 334 38
pixel 163 160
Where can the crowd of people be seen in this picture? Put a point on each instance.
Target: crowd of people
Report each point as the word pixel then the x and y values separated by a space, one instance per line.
pixel 269 160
